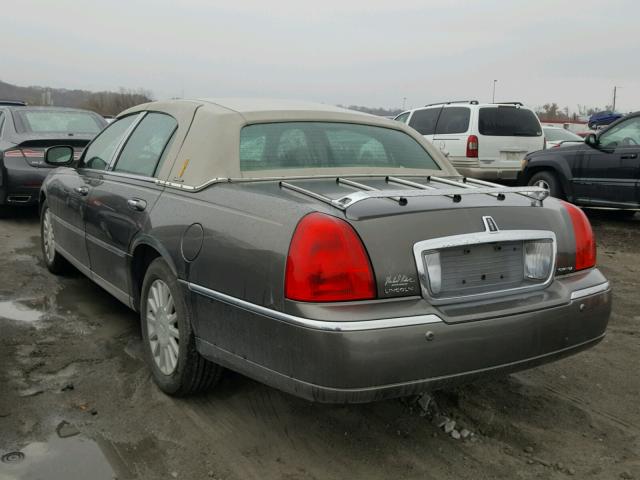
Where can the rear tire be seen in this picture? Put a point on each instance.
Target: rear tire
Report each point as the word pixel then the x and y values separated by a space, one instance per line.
pixel 169 342
pixel 548 180
pixel 55 262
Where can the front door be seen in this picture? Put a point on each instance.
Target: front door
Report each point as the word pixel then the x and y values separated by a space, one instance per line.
pixel 69 193
pixel 121 198
pixel 613 168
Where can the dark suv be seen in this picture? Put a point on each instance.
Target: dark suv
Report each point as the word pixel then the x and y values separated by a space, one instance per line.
pixel 25 133
pixel 604 171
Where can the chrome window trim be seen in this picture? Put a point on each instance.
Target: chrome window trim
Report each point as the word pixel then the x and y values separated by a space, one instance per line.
pixel 131 176
pixel 478 238
pixel 324 325
pixel 584 292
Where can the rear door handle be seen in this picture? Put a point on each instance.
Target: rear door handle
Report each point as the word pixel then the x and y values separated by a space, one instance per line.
pixel 81 190
pixel 628 156
pixel 136 204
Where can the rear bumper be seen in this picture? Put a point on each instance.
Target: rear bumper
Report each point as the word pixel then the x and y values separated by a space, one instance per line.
pixel 489 173
pixel 21 184
pixel 362 361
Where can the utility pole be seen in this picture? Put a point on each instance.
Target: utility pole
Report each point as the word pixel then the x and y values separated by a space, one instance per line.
pixel 615 91
pixel 493 96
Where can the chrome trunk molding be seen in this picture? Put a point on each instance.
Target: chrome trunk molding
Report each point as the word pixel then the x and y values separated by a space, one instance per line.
pixel 325 325
pixel 474 239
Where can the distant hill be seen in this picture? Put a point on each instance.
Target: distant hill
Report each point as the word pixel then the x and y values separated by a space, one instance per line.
pixel 105 103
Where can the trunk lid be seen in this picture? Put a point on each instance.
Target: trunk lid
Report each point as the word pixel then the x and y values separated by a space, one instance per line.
pixel 390 232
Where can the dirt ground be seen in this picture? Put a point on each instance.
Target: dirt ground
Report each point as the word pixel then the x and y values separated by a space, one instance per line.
pixel 77 401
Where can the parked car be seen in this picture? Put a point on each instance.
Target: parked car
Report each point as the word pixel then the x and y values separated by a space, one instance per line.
pixel 25 132
pixel 335 255
pixel 557 137
pixel 601 119
pixel 12 103
pixel 482 140
pixel 603 171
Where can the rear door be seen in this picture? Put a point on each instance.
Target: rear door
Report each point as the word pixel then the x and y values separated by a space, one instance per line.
pixel 451 132
pixel 121 198
pixel 69 190
pixel 506 134
pixel 612 170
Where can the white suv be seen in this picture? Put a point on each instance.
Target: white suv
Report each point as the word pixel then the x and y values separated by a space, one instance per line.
pixel 483 140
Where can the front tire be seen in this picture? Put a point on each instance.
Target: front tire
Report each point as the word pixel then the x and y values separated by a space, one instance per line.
pixel 55 262
pixel 169 342
pixel 549 181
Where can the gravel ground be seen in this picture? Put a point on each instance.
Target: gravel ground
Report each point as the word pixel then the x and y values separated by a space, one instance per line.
pixel 77 401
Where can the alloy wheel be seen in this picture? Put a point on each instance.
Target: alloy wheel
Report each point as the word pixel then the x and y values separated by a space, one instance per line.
pixel 543 184
pixel 162 327
pixel 48 237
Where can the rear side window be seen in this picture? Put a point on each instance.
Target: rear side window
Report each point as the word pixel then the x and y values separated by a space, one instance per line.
pixel 506 121
pixel 274 146
pixel 453 120
pixel 424 121
pixel 402 117
pixel 57 121
pixel 142 153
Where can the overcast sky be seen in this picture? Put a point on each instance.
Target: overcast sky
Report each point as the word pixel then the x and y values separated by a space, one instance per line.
pixel 364 52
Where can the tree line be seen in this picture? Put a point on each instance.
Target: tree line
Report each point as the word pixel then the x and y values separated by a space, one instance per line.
pixel 104 103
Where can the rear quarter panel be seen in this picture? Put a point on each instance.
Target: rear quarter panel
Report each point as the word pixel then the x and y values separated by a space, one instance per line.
pixel 246 236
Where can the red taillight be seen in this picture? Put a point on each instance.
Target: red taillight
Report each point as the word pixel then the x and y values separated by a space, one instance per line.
pixel 32 156
pixel 327 262
pixel 472 146
pixel 585 243
pixel 13 154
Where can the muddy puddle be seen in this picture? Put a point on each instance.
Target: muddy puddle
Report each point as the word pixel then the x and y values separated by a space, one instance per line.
pixel 66 454
pixel 20 311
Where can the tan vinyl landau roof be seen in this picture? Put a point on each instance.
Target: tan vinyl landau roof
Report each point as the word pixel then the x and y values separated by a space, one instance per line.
pixel 207 143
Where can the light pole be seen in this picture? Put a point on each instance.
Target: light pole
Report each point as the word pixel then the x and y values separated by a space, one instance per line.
pixel 493 97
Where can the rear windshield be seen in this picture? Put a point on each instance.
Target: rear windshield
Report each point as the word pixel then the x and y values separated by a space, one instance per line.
pixel 274 146
pixel 57 121
pixel 508 122
pixel 561 135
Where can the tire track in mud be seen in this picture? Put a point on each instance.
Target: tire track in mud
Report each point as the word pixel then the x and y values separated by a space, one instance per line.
pixel 627 426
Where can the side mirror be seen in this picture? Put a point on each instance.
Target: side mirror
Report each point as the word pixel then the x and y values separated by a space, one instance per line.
pixel 61 156
pixel 591 140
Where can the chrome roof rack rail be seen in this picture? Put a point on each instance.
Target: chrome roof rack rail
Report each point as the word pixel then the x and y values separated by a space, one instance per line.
pixel 519 104
pixel 460 189
pixel 446 181
pixel 483 183
pixel 471 102
pixel 409 183
pixel 368 188
pixel 304 191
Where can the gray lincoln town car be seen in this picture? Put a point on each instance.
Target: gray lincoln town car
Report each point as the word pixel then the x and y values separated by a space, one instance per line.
pixel 334 255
